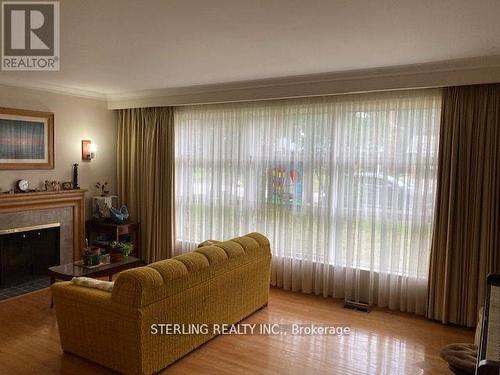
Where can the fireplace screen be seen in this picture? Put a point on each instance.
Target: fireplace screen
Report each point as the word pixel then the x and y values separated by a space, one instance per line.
pixel 27 253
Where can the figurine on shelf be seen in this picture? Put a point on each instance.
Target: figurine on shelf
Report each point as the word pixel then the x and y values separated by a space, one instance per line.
pixel 75 176
pixel 101 212
pixel 119 216
pixel 101 207
pixel 103 187
pixel 52 185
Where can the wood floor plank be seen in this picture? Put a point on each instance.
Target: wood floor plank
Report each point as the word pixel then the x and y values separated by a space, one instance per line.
pixel 381 342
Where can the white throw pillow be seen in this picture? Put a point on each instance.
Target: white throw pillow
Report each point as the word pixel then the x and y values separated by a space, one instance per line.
pixel 93 283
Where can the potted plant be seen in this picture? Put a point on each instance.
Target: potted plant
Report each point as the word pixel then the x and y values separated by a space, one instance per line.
pixel 120 250
pixel 91 256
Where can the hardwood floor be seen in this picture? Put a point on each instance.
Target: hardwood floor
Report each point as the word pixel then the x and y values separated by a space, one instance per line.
pixel 381 342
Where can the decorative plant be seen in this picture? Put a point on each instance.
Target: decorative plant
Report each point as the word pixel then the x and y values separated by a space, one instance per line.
pixel 91 255
pixel 124 248
pixel 103 186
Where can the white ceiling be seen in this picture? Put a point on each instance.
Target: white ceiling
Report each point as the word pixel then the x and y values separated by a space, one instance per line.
pixel 117 46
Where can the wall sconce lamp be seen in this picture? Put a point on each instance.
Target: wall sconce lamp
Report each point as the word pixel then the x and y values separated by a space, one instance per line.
pixel 89 150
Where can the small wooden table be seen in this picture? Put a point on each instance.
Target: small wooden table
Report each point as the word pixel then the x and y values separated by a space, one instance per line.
pixel 67 271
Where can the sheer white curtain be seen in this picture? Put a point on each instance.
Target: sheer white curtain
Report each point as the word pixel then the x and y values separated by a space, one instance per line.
pixel 343 186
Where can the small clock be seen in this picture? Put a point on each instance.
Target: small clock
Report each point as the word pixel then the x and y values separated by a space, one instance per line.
pixel 22 185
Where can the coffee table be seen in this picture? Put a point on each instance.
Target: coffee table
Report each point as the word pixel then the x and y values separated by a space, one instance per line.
pixel 67 271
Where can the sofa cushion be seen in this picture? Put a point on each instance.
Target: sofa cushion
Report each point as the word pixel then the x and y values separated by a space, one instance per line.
pixel 249 244
pixel 213 254
pixel 208 243
pixel 193 261
pixel 132 286
pixel 170 269
pixel 232 249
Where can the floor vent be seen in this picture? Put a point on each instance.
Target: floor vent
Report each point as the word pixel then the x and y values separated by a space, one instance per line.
pixel 359 306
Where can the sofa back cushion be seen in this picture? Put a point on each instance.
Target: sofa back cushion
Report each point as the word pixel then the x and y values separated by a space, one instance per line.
pixel 143 286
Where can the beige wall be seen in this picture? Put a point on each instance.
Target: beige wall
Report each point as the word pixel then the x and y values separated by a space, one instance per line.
pixel 75 118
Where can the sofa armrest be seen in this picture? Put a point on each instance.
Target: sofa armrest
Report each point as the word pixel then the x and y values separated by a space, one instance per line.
pixel 95 327
pixel 87 298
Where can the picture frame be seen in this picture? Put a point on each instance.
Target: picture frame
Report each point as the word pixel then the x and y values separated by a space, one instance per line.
pixel 26 139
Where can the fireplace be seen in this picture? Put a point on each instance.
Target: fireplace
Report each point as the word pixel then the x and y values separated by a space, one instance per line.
pixel 66 207
pixel 27 252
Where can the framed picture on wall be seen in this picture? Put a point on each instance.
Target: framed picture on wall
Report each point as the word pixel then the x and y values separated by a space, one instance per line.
pixel 26 139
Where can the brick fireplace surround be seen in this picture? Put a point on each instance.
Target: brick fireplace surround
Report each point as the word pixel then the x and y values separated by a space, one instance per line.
pixel 66 207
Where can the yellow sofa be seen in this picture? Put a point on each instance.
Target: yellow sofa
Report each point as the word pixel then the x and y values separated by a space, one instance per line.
pixel 216 284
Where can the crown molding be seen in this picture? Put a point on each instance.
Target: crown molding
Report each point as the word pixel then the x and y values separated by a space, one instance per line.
pixel 51 88
pixel 438 74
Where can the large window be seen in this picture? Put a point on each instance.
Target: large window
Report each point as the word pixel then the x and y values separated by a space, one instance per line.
pixel 347 181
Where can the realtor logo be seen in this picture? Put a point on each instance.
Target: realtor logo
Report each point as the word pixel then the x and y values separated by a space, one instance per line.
pixel 30 35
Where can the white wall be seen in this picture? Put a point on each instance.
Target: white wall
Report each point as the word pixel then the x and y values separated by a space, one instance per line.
pixel 75 118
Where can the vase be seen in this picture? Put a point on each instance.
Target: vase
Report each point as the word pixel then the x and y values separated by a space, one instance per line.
pixel 91 260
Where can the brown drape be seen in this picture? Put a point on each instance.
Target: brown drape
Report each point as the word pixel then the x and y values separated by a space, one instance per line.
pixel 466 240
pixel 145 152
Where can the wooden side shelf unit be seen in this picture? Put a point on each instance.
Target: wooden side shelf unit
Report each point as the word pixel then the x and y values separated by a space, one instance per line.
pixel 115 231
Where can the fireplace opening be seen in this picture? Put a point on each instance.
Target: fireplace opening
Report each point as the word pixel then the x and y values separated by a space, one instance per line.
pixel 27 253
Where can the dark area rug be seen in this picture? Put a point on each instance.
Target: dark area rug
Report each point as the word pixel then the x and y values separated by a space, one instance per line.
pixel 25 287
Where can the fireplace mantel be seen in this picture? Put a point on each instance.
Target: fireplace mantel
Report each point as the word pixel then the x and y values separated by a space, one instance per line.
pixel 11 203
